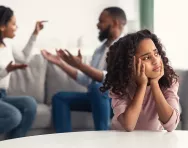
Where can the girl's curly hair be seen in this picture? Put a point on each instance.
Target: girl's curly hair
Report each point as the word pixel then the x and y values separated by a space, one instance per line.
pixel 120 63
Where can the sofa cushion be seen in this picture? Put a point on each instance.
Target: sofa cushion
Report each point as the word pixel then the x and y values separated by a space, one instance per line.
pixel 57 80
pixel 43 118
pixel 31 81
pixel 183 94
pixel 80 120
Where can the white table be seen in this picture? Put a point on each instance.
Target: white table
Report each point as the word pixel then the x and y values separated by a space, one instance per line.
pixel 102 139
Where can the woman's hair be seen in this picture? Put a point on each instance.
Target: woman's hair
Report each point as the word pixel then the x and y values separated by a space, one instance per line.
pixel 5 16
pixel 120 65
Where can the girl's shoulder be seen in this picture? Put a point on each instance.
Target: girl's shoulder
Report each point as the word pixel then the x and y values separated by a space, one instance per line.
pixel 130 91
pixel 172 90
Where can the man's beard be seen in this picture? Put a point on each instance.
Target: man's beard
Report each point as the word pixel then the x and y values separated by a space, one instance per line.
pixel 104 34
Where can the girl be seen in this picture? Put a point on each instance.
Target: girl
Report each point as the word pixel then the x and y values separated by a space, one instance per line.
pixel 16 113
pixel 143 86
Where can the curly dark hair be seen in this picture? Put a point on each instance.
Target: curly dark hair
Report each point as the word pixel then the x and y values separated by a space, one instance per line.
pixel 120 63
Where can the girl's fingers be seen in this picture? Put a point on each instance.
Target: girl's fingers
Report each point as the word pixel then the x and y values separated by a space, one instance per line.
pixel 138 67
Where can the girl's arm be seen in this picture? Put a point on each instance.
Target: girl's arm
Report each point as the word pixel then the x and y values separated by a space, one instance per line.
pixel 167 105
pixel 131 114
pixel 129 118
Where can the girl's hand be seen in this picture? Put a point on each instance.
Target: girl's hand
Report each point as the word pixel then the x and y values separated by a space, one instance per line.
pixel 139 73
pixel 156 80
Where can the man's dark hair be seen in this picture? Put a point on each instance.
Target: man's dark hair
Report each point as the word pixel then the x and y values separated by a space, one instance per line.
pixel 117 13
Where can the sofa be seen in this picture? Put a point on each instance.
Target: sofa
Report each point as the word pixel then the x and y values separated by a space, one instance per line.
pixel 43 79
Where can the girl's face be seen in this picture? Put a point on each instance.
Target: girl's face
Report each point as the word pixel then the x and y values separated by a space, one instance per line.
pixel 8 31
pixel 149 56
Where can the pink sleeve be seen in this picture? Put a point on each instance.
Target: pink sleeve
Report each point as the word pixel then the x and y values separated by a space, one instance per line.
pixel 173 100
pixel 119 104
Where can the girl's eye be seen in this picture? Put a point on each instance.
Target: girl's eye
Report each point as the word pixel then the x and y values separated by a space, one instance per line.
pixel 146 58
pixel 157 53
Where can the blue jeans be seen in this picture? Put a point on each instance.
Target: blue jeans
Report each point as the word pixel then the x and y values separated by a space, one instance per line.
pixel 16 114
pixel 95 101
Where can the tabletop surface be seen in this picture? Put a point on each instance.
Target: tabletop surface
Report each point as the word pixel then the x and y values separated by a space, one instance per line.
pixel 102 139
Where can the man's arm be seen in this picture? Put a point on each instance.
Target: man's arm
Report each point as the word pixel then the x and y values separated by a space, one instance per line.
pixel 76 61
pixel 92 72
pixel 72 72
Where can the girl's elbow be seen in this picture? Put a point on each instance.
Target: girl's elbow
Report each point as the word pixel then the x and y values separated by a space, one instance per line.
pixel 171 129
pixel 129 128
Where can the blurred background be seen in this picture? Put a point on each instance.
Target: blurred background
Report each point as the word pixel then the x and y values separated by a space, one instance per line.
pixel 72 24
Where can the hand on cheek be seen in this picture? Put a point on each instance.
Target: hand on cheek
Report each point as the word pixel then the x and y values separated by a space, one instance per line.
pixel 156 80
pixel 139 72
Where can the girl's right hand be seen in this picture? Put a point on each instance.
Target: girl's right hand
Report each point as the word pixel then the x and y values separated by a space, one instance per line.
pixel 139 73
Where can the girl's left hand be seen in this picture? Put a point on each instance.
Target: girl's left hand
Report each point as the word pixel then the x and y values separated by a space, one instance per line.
pixel 38 27
pixel 160 76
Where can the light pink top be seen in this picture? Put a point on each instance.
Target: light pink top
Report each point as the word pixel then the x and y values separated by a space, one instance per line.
pixel 148 119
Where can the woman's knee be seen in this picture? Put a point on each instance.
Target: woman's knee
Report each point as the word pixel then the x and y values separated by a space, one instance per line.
pixel 15 118
pixel 29 104
pixel 12 119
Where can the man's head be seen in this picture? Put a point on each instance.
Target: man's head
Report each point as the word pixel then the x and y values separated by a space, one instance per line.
pixel 111 21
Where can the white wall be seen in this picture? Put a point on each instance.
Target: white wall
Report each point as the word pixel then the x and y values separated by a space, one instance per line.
pixel 171 25
pixel 70 21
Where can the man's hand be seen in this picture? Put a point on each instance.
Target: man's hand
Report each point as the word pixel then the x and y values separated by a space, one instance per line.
pixel 55 59
pixel 74 61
